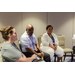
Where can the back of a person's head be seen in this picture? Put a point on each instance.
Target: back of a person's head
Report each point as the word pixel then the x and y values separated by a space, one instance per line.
pixel 5 31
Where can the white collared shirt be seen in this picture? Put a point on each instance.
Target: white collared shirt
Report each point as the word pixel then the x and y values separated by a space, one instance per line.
pixel 46 40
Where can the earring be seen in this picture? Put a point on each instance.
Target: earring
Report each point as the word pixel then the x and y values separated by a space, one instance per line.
pixel 10 38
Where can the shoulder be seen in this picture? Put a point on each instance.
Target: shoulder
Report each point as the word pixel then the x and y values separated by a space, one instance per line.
pixel 24 36
pixel 9 47
pixel 45 34
pixel 6 48
pixel 6 45
pixel 33 36
pixel 53 34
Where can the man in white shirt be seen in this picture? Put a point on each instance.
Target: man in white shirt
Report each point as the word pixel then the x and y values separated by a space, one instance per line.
pixel 30 46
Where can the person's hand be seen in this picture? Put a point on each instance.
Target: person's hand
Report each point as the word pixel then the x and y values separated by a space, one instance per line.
pixel 42 54
pixel 54 48
pixel 34 56
pixel 39 54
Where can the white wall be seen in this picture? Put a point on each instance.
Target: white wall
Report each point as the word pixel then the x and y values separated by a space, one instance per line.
pixel 63 23
pixel 37 19
pixel 19 20
pixel 12 19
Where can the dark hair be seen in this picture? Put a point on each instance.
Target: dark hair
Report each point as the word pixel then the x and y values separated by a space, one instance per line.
pixel 5 31
pixel 49 26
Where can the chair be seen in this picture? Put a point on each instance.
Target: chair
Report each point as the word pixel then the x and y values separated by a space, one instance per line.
pixel 0 52
pixel 0 46
pixel 61 40
pixel 20 45
pixel 62 45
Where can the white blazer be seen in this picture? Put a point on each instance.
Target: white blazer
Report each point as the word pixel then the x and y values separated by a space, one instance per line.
pixel 46 40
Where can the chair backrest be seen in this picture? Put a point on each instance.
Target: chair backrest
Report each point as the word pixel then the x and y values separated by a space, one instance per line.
pixel 1 45
pixel 61 40
pixel 39 40
pixel 20 46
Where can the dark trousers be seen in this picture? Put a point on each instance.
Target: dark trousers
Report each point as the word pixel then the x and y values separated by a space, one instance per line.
pixel 46 56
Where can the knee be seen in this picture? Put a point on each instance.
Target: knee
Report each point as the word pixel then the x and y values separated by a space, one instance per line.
pixel 51 51
pixel 60 53
pixel 47 57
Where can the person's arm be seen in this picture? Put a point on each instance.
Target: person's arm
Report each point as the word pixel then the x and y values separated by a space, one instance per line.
pixel 38 48
pixel 24 59
pixel 44 40
pixel 55 46
pixel 30 50
pixel 51 46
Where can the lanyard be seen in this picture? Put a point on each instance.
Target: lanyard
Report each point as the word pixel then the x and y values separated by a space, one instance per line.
pixel 53 40
pixel 32 42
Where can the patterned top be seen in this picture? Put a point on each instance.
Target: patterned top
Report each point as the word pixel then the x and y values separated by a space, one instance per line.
pixel 28 41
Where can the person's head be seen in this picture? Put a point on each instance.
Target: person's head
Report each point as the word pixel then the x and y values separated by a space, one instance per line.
pixel 29 29
pixel 9 33
pixel 49 29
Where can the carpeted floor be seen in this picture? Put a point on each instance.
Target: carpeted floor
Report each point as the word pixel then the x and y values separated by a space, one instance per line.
pixel 67 59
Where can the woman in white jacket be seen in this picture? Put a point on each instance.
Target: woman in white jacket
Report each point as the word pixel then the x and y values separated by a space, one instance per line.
pixel 50 44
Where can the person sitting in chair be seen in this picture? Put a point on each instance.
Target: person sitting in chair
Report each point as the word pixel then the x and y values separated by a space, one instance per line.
pixel 30 46
pixel 9 51
pixel 50 43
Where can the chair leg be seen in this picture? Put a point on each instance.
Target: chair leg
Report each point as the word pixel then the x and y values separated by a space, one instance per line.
pixel 71 57
pixel 61 59
pixel 64 56
pixel 55 58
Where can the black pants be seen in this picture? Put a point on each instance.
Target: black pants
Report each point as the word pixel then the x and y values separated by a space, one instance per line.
pixel 46 56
